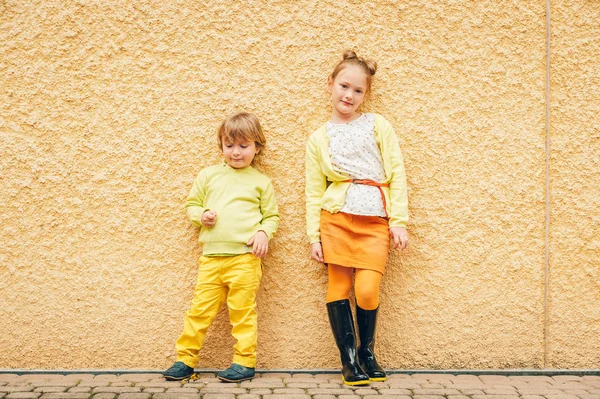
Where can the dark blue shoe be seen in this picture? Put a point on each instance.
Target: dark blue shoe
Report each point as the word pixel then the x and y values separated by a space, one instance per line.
pixel 236 373
pixel 178 371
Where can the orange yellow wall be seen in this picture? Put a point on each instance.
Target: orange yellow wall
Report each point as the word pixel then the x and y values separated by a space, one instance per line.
pixel 108 110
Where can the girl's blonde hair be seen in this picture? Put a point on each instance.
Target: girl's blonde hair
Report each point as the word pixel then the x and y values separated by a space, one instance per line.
pixel 349 57
pixel 241 126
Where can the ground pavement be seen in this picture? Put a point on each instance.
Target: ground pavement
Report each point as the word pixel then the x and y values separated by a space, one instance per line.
pixel 299 386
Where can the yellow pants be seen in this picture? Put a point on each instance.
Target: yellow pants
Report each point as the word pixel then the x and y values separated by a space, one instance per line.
pixel 232 278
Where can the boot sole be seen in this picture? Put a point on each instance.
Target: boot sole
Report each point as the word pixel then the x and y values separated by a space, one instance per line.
pixel 380 379
pixel 170 378
pixel 238 380
pixel 355 383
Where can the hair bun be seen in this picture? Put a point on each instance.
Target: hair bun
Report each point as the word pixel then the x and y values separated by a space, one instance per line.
pixel 349 54
pixel 372 65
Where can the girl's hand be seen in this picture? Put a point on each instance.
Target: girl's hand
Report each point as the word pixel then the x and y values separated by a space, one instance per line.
pixel 316 252
pixel 209 218
pixel 259 243
pixel 400 237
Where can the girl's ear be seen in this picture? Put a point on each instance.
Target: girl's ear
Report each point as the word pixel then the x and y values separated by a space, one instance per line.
pixel 329 84
pixel 257 151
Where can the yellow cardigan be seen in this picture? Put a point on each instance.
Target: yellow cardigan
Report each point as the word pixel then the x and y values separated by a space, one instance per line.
pixel 326 189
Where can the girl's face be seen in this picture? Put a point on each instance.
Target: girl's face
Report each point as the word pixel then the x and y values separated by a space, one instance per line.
pixel 347 91
pixel 239 155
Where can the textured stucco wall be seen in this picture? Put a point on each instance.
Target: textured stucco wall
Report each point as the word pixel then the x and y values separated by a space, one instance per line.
pixel 574 317
pixel 108 110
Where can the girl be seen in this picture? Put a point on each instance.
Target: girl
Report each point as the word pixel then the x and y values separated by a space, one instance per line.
pixel 355 200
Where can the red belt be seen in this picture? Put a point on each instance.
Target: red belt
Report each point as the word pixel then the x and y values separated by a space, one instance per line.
pixel 367 182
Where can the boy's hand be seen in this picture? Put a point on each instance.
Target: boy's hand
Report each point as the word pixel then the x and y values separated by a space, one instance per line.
pixel 209 218
pixel 400 237
pixel 260 244
pixel 316 251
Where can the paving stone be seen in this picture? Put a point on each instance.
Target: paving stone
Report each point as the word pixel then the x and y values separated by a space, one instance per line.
pixel 260 391
pixel 591 396
pixel 66 395
pixel 139 377
pixel 248 396
pixel 406 384
pixel 386 397
pixel 303 376
pixel 329 385
pixel 531 378
pixel 515 396
pixel 323 397
pixel 288 391
pixel 322 391
pixel 436 392
pixel 93 383
pixel 576 392
pixel 458 397
pixel 276 375
pixel 225 388
pixel 16 388
pixel 9 377
pixel 471 392
pixel 531 397
pixel 304 385
pixel 118 390
pixel 296 396
pixel 79 389
pixel 121 384
pixel 500 391
pixel 218 396
pixel 398 377
pixel 561 396
pixel 431 386
pixel 301 379
pixel 23 395
pixel 393 391
pixel 164 384
pixel 344 396
pixel 105 395
pixel 257 383
pixel 362 391
pixel 540 391
pixel 190 391
pixel 153 390
pixel 107 377
pixel 428 397
pixel 471 385
pixel 567 378
pixel 135 396
pixel 50 389
pixel 173 396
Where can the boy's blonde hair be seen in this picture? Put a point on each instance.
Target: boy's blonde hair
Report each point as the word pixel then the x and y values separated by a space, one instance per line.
pixel 241 126
pixel 349 57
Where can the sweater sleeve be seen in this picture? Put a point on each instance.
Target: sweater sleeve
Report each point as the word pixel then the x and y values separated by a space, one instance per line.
pixel 316 183
pixel 269 211
pixel 398 192
pixel 194 205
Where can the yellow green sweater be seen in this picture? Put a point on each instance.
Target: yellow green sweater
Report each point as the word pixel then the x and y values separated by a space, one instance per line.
pixel 325 188
pixel 244 201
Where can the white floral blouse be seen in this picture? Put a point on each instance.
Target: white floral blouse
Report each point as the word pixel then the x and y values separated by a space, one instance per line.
pixel 354 152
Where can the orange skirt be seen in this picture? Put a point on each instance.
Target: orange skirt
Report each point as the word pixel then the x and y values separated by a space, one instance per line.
pixel 361 242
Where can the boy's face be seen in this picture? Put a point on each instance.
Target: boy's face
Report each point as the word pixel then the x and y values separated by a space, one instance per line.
pixel 239 155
